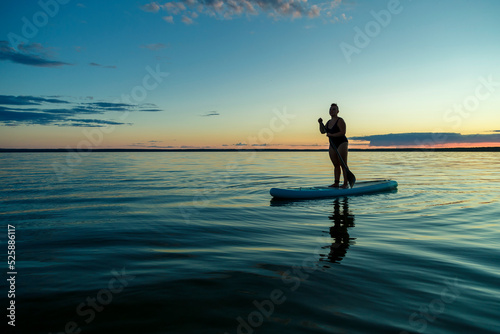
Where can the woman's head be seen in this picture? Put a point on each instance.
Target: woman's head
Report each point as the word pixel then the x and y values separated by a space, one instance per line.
pixel 334 109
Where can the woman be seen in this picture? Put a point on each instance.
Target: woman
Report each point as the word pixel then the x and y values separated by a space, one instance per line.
pixel 335 129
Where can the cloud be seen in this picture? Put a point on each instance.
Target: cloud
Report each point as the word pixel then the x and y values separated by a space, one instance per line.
pixel 149 107
pixel 336 19
pixel 151 144
pixel 33 54
pixel 428 139
pixel 154 47
pixel 187 20
pixel 32 110
pixel 26 100
pixel 103 66
pixel 228 9
pixel 169 19
pixel 152 7
pixel 210 113
pixel 314 12
pixel 90 123
pixel 12 117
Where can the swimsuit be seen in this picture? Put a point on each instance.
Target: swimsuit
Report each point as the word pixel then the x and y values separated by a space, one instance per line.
pixel 336 140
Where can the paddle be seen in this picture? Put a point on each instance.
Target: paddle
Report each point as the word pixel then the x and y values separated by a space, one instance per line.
pixel 351 179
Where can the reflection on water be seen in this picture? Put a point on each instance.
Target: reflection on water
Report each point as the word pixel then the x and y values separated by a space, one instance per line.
pixel 342 221
pixel 223 265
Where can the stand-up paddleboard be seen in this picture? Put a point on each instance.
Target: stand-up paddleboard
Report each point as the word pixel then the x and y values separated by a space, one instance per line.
pixel 360 188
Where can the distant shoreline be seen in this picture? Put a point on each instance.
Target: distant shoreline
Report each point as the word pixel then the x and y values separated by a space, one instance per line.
pixel 62 150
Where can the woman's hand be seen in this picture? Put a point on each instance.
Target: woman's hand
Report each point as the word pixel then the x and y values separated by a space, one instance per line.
pixel 320 120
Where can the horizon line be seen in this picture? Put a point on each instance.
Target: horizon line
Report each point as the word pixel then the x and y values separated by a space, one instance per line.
pixel 402 149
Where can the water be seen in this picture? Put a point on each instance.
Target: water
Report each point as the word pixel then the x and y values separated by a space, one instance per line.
pixel 191 243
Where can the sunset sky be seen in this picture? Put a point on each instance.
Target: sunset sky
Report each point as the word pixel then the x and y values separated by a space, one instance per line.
pixel 248 73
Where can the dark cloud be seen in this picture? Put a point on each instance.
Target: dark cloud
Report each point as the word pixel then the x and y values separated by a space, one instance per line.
pixel 35 54
pixel 427 138
pixel 26 100
pixel 29 54
pixel 103 66
pixel 154 47
pixel 91 122
pixel 149 107
pixel 210 113
pixel 12 117
pixel 32 110
pixel 151 144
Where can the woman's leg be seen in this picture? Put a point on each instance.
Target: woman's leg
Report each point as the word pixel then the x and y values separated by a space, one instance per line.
pixel 343 149
pixel 336 165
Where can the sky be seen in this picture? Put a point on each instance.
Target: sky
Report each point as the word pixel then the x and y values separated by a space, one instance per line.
pixel 242 74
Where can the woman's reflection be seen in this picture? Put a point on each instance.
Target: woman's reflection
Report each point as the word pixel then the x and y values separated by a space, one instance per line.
pixel 342 220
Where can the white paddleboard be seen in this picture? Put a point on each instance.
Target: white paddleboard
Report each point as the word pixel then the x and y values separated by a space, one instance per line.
pixel 360 188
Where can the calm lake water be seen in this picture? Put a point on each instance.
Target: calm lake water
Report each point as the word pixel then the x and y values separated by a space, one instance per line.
pixel 183 242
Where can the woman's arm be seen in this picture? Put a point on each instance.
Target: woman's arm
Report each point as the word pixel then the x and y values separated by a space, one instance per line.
pixel 321 126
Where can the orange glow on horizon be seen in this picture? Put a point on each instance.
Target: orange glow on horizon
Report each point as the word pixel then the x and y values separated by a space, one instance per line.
pixel 317 147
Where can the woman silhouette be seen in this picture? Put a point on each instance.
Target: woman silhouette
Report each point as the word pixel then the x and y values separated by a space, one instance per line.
pixel 335 129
